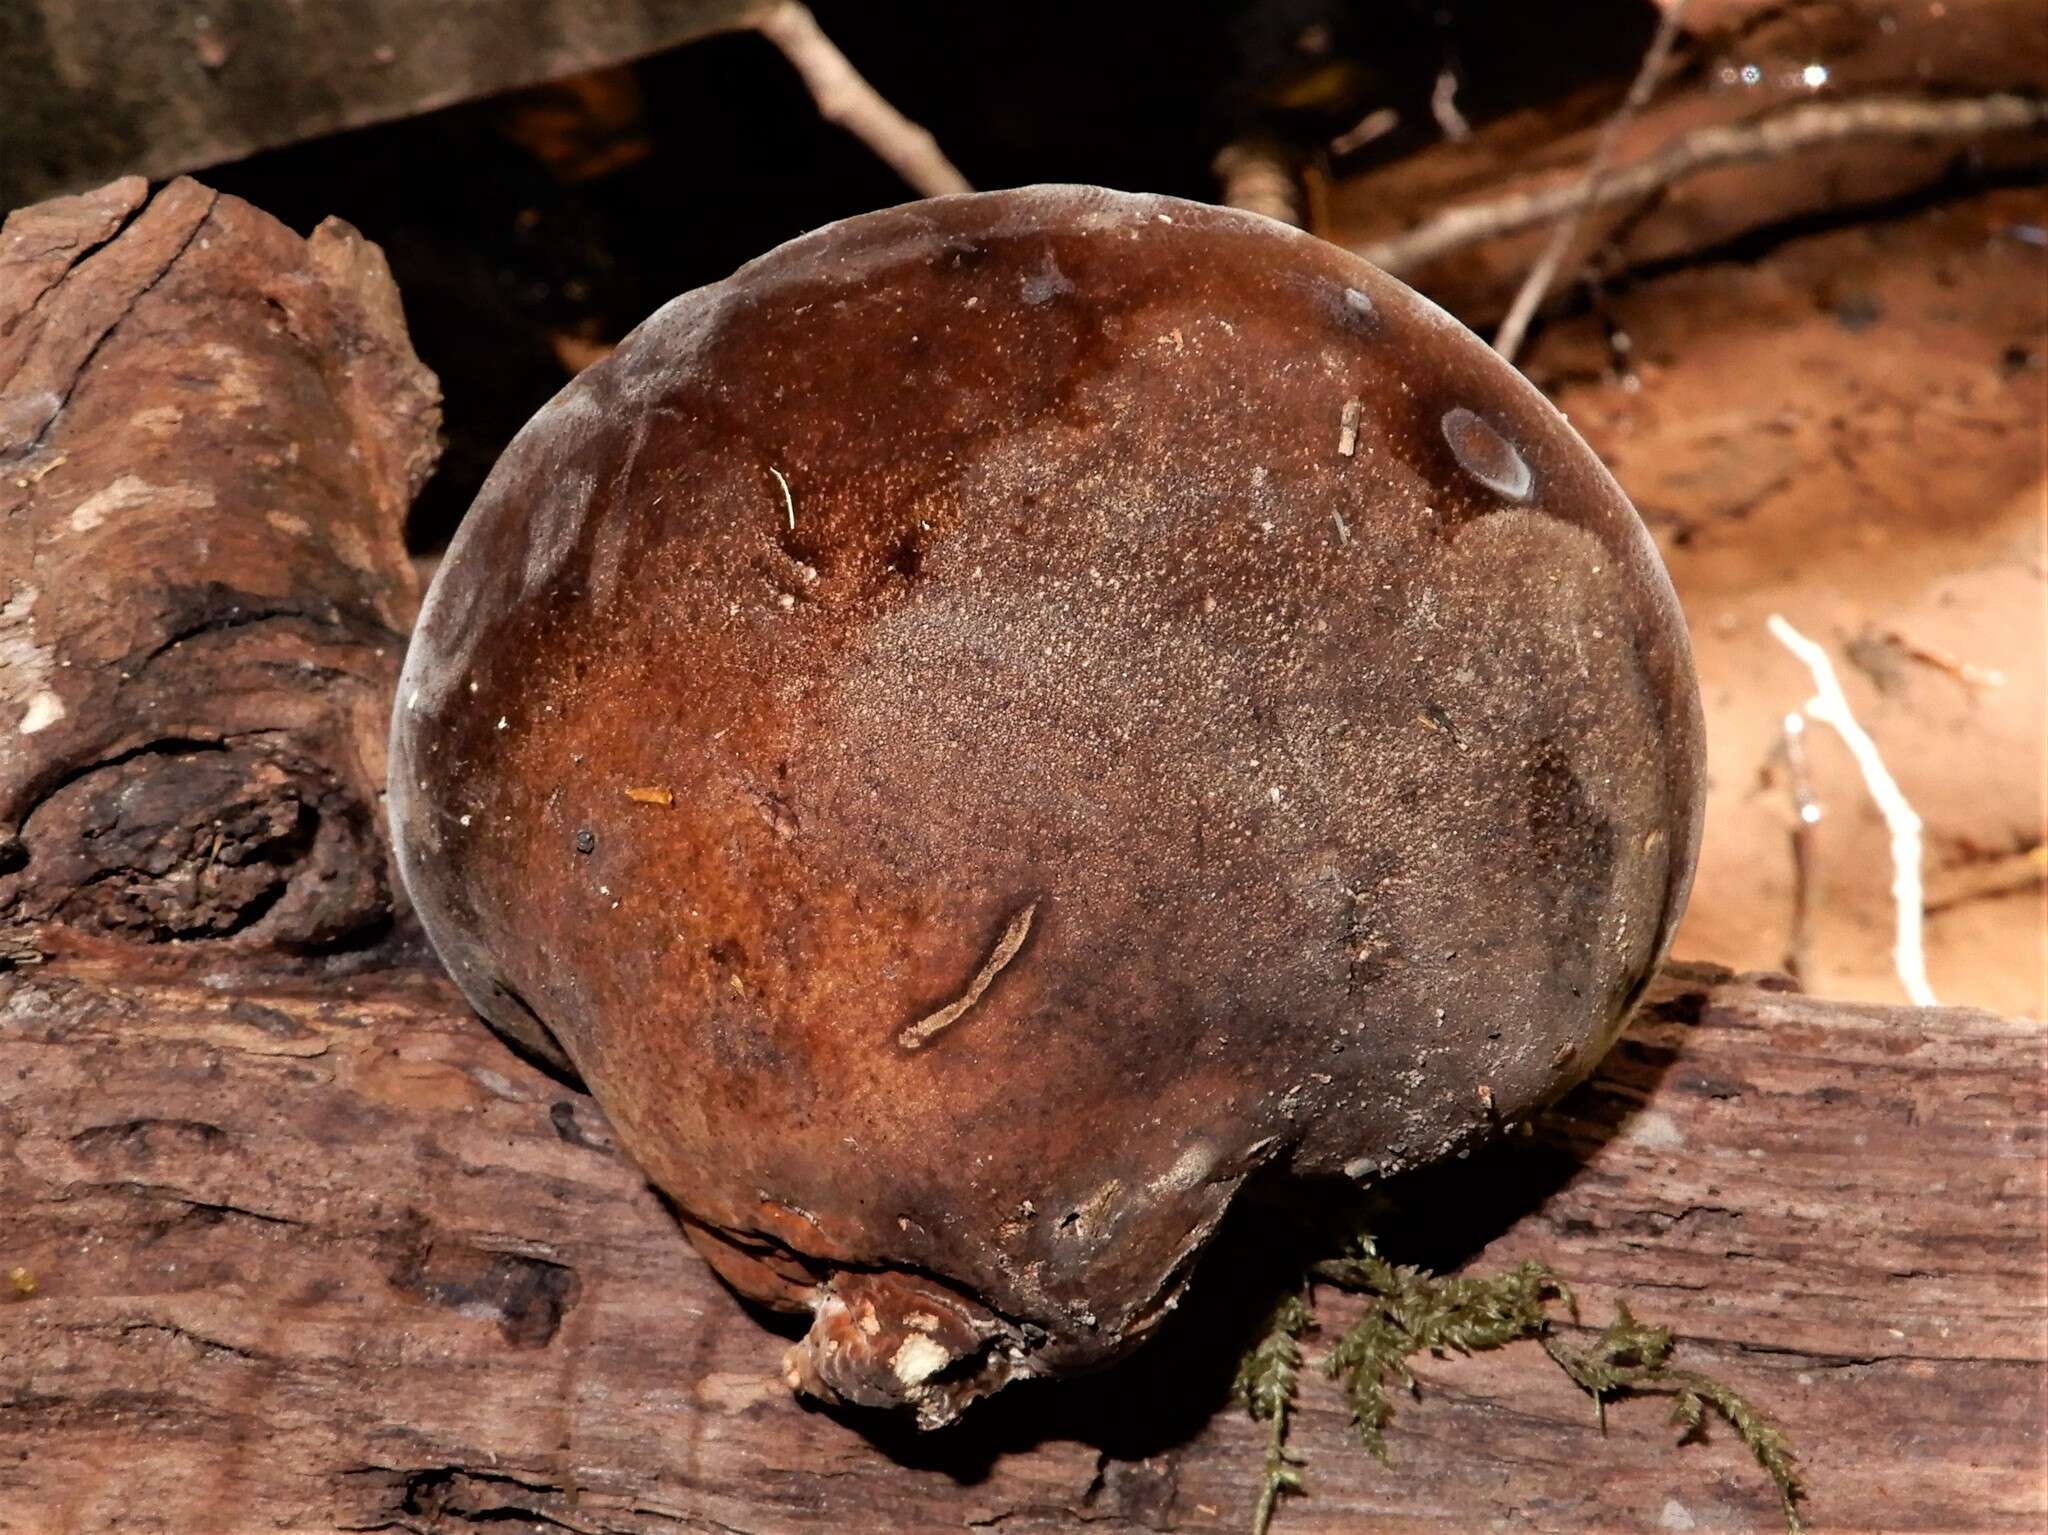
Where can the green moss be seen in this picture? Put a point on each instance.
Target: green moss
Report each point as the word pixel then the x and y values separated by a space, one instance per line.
pixel 1410 1311
pixel 1267 1379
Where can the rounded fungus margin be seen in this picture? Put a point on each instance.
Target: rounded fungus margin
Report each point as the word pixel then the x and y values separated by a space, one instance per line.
pixel 1013 715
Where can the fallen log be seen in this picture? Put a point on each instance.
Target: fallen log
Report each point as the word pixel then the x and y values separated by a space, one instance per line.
pixel 324 1255
pixel 99 88
pixel 288 1240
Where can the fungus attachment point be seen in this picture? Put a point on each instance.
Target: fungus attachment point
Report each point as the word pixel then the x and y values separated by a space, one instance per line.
pixel 1081 614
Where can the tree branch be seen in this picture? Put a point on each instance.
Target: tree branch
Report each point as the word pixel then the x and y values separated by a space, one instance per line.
pixel 1797 129
pixel 846 99
pixel 1508 339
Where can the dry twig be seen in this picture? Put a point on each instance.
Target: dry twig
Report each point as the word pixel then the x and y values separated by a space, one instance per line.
pixel 917 1035
pixel 1809 126
pixel 1806 813
pixel 1376 124
pixel 1831 707
pixel 1981 879
pixel 1443 104
pixel 846 99
pixel 1971 676
pixel 1508 340
pixel 1259 176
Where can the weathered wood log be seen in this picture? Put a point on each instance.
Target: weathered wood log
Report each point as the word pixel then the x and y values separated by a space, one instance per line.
pixel 326 1257
pixel 286 1248
pixel 98 88
pixel 210 431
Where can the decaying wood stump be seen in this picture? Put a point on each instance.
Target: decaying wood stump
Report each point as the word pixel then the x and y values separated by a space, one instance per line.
pixel 210 431
pixel 300 1245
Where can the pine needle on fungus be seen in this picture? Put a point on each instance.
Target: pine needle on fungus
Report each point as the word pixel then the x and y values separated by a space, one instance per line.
pixel 1411 1311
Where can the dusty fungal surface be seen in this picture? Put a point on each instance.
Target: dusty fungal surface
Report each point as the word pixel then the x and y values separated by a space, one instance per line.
pixel 1142 701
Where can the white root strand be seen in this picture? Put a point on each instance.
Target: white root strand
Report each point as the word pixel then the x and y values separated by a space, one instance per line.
pixel 1831 708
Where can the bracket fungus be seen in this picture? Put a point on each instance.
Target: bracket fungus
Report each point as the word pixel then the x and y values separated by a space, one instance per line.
pixel 1010 717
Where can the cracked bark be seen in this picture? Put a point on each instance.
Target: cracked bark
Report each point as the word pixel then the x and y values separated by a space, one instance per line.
pixel 472 1316
pixel 210 431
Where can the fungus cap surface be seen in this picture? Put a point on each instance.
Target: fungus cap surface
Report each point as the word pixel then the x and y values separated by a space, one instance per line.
pixel 1011 714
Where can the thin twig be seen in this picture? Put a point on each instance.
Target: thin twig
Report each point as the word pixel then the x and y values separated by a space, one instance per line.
pixel 1536 286
pixel 1260 176
pixel 1971 676
pixel 1443 105
pixel 1831 707
pixel 788 500
pixel 1782 133
pixel 846 99
pixel 1983 878
pixel 1806 813
pixel 1376 124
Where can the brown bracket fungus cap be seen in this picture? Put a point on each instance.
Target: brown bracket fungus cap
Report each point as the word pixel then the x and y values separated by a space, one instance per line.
pixel 1009 715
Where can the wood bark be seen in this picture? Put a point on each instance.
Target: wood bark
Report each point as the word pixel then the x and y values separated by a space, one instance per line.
pixel 289 1241
pixel 210 431
pixel 326 1256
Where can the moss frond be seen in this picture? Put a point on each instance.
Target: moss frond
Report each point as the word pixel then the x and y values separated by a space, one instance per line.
pixel 1627 1358
pixel 1410 1311
pixel 1268 1378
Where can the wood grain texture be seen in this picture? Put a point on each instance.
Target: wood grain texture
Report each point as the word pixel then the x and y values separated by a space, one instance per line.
pixel 327 1256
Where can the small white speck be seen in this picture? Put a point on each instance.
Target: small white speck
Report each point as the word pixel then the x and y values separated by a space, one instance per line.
pixel 1814 76
pixel 472 685
pixel 462 820
pixel 1273 794
pixel 1656 1130
pixel 44 710
pixel 502 722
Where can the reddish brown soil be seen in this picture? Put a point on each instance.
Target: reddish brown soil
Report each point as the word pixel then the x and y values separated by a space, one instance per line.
pixel 1848 430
